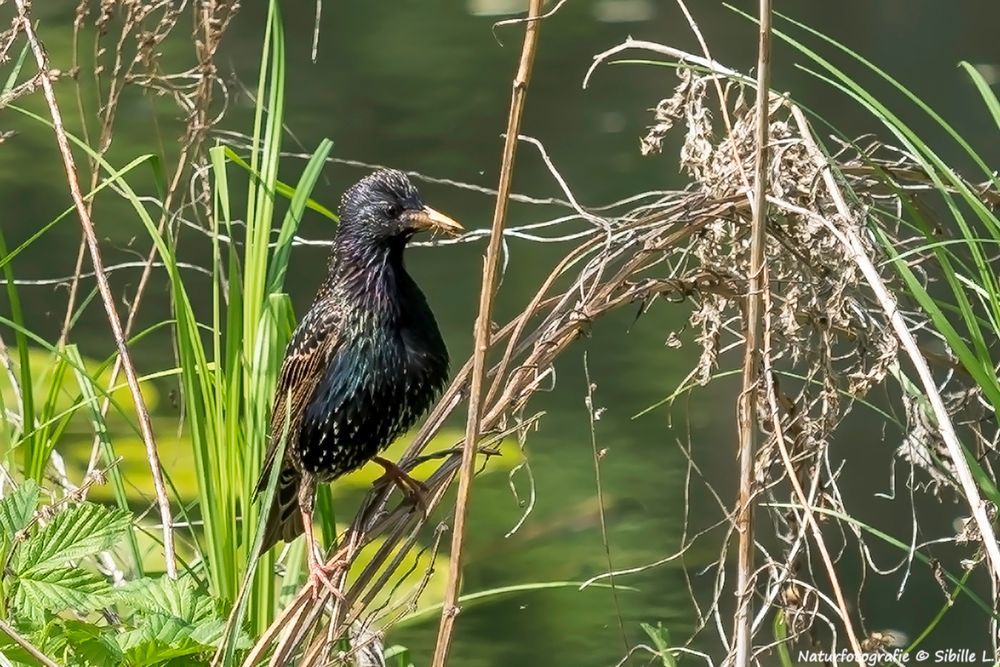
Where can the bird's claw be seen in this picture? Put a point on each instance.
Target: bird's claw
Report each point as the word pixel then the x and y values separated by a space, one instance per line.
pixel 414 490
pixel 320 578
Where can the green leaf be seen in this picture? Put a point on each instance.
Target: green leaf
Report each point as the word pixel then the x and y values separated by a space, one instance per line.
pixel 172 597
pixel 17 508
pixel 989 98
pixel 280 187
pixel 398 656
pixel 781 637
pixel 59 589
pixel 79 531
pixel 12 77
pixel 660 637
pixel 173 620
pixel 94 645
pixel 158 629
pixel 157 654
pixel 161 638
pixel 283 248
pixel 176 598
pixel 469 599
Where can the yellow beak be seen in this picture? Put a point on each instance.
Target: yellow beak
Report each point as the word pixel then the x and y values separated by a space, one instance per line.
pixel 427 219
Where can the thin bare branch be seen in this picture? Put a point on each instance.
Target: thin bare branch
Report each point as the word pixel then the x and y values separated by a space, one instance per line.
pixel 483 326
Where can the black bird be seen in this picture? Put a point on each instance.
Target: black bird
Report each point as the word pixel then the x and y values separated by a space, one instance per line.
pixel 363 364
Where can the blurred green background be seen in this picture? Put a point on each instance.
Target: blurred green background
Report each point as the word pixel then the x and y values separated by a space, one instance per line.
pixel 424 85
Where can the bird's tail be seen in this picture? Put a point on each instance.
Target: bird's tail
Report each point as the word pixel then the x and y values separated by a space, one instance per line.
pixel 284 521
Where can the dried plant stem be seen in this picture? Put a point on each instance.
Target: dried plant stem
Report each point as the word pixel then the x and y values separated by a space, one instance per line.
pixel 746 411
pixel 29 648
pixel 723 107
pixel 853 243
pixel 800 494
pixel 593 414
pixel 630 43
pixel 482 332
pixel 142 412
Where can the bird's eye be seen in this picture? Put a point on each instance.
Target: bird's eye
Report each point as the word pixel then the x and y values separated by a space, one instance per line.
pixel 394 210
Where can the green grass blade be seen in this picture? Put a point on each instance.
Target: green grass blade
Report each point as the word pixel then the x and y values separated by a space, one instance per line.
pixel 484 596
pixel 989 98
pixel 27 407
pixel 89 391
pixel 16 71
pixel 279 259
pixel 280 187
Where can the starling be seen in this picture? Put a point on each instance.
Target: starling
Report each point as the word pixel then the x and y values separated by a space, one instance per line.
pixel 363 364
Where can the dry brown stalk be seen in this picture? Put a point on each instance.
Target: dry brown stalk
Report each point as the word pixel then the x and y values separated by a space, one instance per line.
pixel 107 297
pixel 747 407
pixel 593 415
pixel 834 341
pixel 213 20
pixel 482 332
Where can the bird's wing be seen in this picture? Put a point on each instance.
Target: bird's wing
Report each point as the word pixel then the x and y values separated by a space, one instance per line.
pixel 309 351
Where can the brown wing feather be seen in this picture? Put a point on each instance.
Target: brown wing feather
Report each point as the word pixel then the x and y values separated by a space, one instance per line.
pixel 305 359
pixel 307 356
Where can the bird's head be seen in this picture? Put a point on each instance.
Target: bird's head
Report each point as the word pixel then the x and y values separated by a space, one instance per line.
pixel 385 207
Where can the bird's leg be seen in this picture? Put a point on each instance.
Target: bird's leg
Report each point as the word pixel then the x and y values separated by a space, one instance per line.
pixel 412 488
pixel 319 573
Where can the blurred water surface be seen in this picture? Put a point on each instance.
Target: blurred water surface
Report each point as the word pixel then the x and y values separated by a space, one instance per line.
pixel 424 85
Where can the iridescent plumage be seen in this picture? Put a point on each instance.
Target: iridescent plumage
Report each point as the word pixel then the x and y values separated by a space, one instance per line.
pixel 366 360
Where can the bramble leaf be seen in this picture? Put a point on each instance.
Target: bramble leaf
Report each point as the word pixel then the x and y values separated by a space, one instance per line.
pixel 76 532
pixel 17 508
pixel 59 589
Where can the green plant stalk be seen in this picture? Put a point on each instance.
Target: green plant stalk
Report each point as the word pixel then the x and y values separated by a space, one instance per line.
pixel 780 629
pixel 27 406
pixel 45 437
pixel 88 391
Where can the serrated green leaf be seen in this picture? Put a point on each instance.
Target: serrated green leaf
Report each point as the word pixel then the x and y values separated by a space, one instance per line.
pixel 17 508
pixel 79 531
pixel 59 589
pixel 156 628
pixel 171 597
pixel 209 633
pixel 156 653
pixel 161 638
